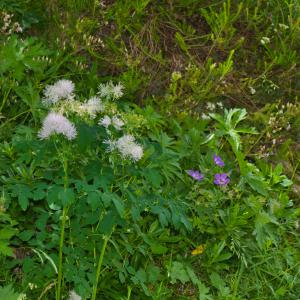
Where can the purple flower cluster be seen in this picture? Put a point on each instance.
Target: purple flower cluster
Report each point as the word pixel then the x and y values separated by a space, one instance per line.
pixel 195 174
pixel 218 161
pixel 221 179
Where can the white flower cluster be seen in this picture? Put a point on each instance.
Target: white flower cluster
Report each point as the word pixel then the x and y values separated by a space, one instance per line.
pixel 127 147
pixel 92 107
pixel 8 26
pixel 56 123
pixel 211 107
pixel 111 91
pixel 265 40
pixel 106 121
pixel 74 296
pixel 62 89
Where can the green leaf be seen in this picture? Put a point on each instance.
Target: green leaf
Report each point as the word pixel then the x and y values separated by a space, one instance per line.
pixel 5 250
pixel 23 193
pixel 94 200
pixel 158 249
pixel 153 273
pixel 204 292
pixel 180 40
pixel 219 283
pixel 66 196
pixel 39 194
pixel 178 272
pixel 257 183
pixel 26 235
pixel 119 205
pixel 153 175
pixel 261 228
pixel 7 233
pixel 7 293
pixel 207 139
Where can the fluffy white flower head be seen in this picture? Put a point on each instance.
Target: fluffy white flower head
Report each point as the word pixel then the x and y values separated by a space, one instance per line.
pixel 105 121
pixel 62 89
pixel 129 148
pixel 210 106
pixel 93 106
pixel 74 296
pixel 111 145
pixel 117 90
pixel 111 91
pixel 117 123
pixel 56 123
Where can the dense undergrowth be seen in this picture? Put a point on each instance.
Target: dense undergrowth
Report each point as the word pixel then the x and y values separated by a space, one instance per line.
pixel 149 149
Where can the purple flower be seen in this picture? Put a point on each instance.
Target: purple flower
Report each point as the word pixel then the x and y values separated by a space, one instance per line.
pixel 218 161
pixel 195 174
pixel 221 179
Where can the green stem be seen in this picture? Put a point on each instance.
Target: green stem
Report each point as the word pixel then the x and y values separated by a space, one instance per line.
pixel 99 267
pixel 60 255
pixel 129 292
pixel 62 232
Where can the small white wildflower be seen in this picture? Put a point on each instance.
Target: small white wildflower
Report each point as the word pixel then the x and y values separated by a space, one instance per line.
pixel 205 116
pixel 55 123
pixel 22 297
pixel 136 152
pixel 32 285
pixel 74 296
pixel 129 148
pixel 265 40
pixel 111 145
pixel 117 90
pixel 93 106
pixel 105 121
pixel 283 26
pixel 104 90
pixel 111 91
pixel 220 104
pixel 62 89
pixel 210 106
pixel 117 123
pixel 252 90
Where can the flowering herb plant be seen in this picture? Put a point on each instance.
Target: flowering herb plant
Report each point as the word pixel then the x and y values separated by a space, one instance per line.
pixel 123 208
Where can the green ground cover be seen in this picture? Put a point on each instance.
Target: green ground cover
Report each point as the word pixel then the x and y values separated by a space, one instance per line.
pixel 149 149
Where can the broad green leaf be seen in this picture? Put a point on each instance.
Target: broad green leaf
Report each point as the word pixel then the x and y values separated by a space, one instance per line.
pixel 178 272
pixel 158 249
pixel 26 235
pixel 23 193
pixel 7 233
pixel 257 183
pixel 5 249
pixel 7 293
pixel 94 200
pixel 219 283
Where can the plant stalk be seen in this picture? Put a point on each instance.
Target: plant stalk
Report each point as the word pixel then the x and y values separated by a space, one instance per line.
pixel 62 233
pixel 99 267
pixel 60 255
